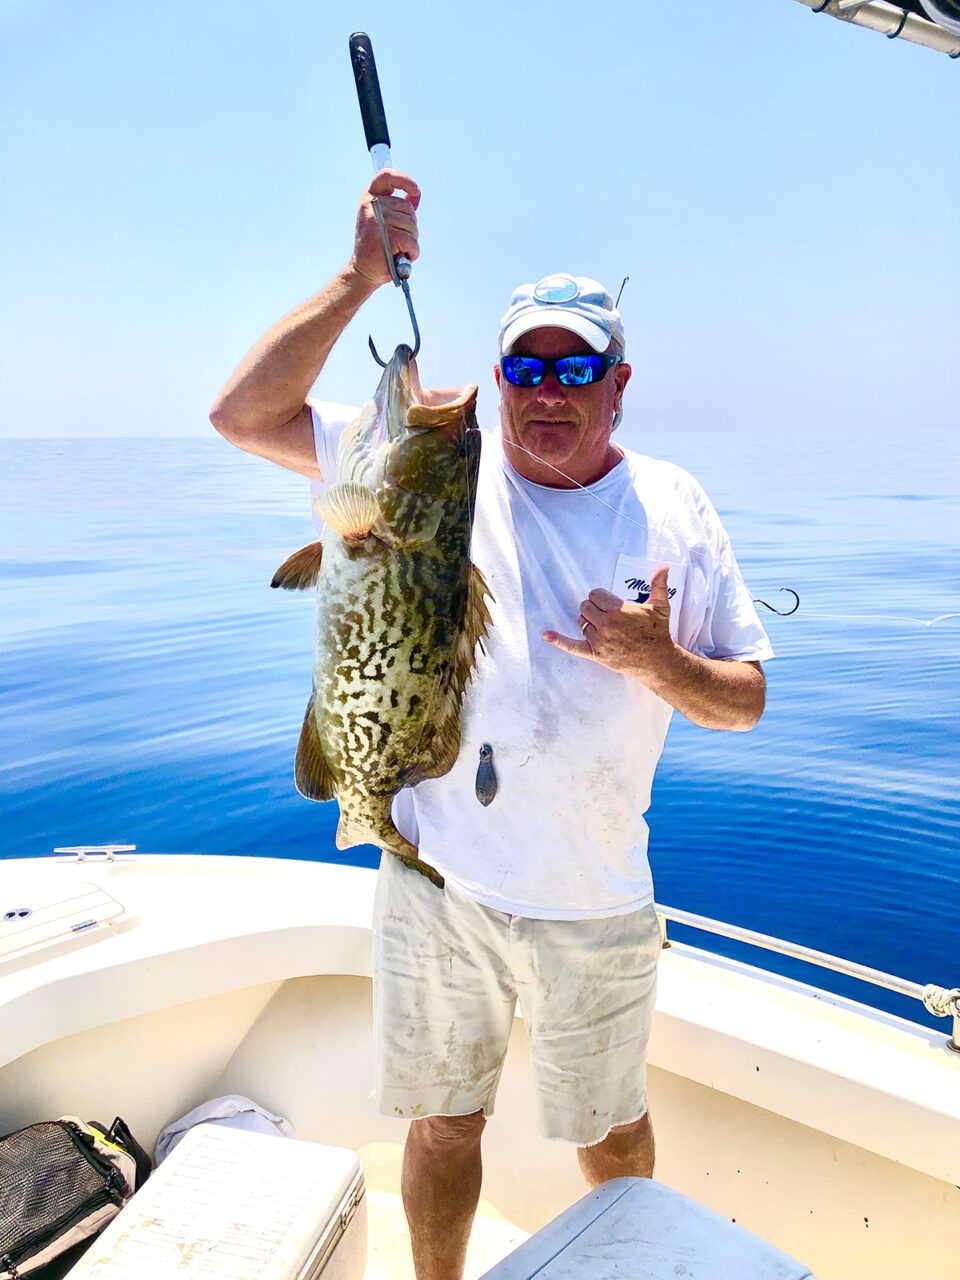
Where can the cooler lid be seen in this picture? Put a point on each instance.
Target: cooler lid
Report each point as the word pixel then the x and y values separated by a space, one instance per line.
pixel 228 1203
pixel 639 1228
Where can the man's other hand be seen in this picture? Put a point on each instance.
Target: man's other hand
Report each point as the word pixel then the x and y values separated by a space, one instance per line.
pixel 627 637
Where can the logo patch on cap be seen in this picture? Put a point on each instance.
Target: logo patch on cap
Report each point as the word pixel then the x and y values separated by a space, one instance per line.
pixel 556 289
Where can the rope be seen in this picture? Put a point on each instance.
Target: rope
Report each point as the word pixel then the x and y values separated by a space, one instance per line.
pixel 942 1002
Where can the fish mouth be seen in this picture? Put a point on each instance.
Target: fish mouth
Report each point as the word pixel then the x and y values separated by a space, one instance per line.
pixel 413 405
pixel 396 387
pixel 440 408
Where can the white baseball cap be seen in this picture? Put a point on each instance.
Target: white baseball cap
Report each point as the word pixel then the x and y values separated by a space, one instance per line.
pixel 576 303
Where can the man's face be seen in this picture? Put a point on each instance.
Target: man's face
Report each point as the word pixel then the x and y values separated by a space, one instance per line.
pixel 566 427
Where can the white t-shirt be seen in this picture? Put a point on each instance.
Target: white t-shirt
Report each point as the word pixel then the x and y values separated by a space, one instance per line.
pixel 575 745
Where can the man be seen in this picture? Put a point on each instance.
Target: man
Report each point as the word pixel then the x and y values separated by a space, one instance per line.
pixel 548 893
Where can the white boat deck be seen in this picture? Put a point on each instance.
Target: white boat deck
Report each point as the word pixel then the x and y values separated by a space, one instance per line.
pixel 388 1241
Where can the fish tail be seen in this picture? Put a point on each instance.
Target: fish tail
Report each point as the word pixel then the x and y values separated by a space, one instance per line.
pixel 366 825
pixel 417 864
pixel 391 841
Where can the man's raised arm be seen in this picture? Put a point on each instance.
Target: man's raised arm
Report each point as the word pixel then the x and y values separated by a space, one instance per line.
pixel 263 409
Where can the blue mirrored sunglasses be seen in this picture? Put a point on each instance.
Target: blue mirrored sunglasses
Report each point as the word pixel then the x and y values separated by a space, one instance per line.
pixel 571 371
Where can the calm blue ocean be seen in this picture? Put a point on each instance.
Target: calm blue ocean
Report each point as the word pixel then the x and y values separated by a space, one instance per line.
pixel 152 685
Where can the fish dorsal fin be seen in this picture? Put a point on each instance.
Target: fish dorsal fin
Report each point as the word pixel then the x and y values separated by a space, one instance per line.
pixel 311 773
pixel 441 755
pixel 350 508
pixel 444 746
pixel 476 627
pixel 301 570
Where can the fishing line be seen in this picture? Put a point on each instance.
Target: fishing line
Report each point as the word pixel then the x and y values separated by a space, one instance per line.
pixel 579 485
pixel 885 617
pixel 878 617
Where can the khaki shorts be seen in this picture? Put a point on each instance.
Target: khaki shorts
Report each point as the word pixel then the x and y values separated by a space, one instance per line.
pixel 447 972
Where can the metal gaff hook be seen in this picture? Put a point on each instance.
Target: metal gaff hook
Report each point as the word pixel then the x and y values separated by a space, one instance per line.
pixel 781 612
pixel 400 268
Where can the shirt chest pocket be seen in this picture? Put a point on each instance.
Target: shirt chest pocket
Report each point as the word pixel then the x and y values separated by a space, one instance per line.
pixel 632 582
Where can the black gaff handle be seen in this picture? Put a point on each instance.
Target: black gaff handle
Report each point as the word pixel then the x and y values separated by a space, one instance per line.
pixel 378 144
pixel 368 91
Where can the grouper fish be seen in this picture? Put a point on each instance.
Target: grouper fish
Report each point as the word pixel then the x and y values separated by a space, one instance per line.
pixel 401 609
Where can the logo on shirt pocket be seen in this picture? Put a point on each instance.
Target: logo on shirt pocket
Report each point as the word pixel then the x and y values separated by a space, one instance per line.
pixel 632 582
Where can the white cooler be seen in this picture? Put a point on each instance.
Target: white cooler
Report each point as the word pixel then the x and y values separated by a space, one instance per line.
pixel 232 1205
pixel 638 1229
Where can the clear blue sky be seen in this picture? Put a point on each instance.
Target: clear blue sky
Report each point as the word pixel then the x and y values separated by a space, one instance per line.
pixel 782 190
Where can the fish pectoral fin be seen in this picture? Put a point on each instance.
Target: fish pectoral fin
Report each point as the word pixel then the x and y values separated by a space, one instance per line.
pixel 301 570
pixel 350 508
pixel 311 773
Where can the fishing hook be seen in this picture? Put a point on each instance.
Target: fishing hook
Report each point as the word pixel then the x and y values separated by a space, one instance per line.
pixel 400 268
pixel 780 612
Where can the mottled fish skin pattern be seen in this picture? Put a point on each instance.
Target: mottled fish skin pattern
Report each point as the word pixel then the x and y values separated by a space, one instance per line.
pixel 395 644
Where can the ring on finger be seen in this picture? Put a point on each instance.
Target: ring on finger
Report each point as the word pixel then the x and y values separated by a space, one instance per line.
pixel 583 623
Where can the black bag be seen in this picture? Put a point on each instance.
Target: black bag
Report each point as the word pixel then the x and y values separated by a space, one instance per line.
pixel 61 1182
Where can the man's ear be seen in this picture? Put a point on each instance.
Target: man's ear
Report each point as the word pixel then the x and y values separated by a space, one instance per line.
pixel 496 373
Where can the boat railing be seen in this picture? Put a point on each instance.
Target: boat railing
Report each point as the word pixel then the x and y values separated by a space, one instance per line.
pixel 942 1002
pixel 893 20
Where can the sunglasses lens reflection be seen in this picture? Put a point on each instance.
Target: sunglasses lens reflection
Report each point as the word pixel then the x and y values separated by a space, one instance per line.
pixel 571 371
